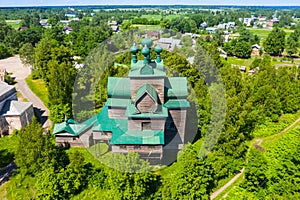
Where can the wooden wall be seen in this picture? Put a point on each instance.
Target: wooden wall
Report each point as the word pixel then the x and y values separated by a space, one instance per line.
pixel 158 83
pixel 179 119
pixel 146 104
pixel 114 112
pixel 136 124
pixel 84 140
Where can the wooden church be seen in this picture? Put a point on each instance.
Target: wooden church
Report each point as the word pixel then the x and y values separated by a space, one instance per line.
pixel 144 113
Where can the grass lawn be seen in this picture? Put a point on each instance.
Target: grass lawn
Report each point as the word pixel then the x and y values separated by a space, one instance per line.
pixel 13 23
pixel 239 61
pixel 248 62
pixel 18 188
pixel 263 33
pixel 7 149
pixel 147 27
pixel 158 17
pixel 38 87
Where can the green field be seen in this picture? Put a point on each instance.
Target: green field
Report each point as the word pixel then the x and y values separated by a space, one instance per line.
pixel 278 61
pixel 38 87
pixel 263 33
pixel 239 61
pixel 147 27
pixel 13 23
pixel 158 17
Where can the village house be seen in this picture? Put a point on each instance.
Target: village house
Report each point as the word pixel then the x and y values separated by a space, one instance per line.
pixel 211 30
pixel 13 114
pixel 262 18
pixel 153 35
pixel 256 50
pixel 169 43
pixel 68 29
pixel 247 21
pixel 71 15
pixel 269 23
pixel 144 113
pixel 114 26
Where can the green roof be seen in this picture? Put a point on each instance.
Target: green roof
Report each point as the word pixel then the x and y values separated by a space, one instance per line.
pixel 146 88
pixel 161 112
pixel 118 87
pixel 146 137
pixel 152 69
pixel 176 87
pixel 177 103
pixel 117 102
pixel 146 70
pixel 66 129
pixel 104 123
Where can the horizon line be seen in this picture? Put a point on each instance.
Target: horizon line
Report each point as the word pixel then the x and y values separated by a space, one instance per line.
pixel 77 5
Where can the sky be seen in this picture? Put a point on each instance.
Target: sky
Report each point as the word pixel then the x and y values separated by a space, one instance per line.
pixel 13 3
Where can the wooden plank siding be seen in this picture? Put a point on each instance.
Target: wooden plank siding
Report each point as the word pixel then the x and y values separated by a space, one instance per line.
pixel 157 83
pixel 136 124
pixel 179 119
pixel 114 112
pixel 146 104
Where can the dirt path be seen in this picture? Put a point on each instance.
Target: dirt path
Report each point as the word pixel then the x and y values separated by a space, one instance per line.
pixel 290 126
pixel 216 193
pixel 20 72
pixel 258 142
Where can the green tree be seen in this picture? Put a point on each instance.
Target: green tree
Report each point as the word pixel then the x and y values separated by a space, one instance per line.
pixel 126 25
pixel 255 173
pixel 36 151
pixel 4 51
pixel 194 177
pixel 292 44
pixel 165 23
pixel 129 177
pixel 27 54
pixel 62 74
pixel 242 49
pixel 275 42
pixel 43 54
pixel 65 182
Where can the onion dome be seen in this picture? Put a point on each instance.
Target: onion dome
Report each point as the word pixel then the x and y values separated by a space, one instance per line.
pixel 145 50
pixel 134 49
pixel 147 41
pixel 158 49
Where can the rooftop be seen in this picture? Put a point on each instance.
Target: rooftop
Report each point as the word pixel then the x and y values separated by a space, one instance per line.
pixel 5 88
pixel 13 108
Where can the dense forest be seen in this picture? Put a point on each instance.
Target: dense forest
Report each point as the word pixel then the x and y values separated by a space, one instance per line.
pixel 233 110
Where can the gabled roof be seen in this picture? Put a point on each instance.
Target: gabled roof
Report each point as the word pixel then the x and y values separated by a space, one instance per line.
pixel 70 127
pixel 118 87
pixel 5 88
pixel 15 108
pixel 146 70
pixel 256 46
pixel 146 88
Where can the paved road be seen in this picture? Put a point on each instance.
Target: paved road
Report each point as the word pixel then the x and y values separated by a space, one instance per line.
pixel 7 171
pixel 20 72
